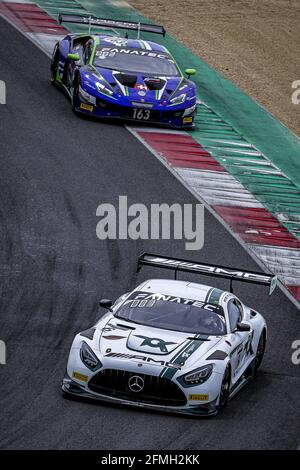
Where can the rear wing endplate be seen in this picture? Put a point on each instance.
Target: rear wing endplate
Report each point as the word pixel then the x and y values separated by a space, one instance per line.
pixel 233 274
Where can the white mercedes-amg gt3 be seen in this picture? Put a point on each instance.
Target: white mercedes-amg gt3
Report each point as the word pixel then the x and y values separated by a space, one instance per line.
pixel 171 345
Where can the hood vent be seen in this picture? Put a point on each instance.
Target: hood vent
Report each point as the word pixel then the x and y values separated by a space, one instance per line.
pixel 217 355
pixel 126 79
pixel 88 333
pixel 154 83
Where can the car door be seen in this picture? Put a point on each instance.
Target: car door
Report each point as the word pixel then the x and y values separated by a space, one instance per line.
pixel 83 47
pixel 241 340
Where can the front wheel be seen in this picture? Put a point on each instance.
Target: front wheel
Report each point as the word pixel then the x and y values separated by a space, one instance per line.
pixel 54 65
pixel 260 350
pixel 75 95
pixel 225 388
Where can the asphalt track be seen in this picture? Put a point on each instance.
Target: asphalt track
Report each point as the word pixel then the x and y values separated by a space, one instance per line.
pixel 55 170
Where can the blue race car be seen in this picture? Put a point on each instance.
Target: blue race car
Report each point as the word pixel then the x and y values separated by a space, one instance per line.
pixel 109 76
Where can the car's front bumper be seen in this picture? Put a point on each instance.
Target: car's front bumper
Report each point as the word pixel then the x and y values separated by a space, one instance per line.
pixel 110 110
pixel 72 388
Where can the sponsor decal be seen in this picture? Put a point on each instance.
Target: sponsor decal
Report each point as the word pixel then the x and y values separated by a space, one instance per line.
pixel 142 299
pixel 188 119
pixel 104 52
pixel 111 327
pixel 199 397
pixel 149 360
pixel 114 337
pixel 248 345
pixel 155 342
pixel 79 376
pixel 212 269
pixel 116 41
pixel 235 350
pixel 141 104
pixel 88 107
pixel 140 86
pixel 141 93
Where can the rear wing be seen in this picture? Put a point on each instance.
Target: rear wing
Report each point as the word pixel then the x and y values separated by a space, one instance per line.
pixel 92 20
pixel 177 264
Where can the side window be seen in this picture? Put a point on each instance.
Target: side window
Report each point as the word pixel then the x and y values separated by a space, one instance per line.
pixel 88 51
pixel 78 49
pixel 235 313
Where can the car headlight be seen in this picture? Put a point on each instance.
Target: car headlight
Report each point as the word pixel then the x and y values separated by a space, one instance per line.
pixel 188 111
pixel 84 95
pixel 198 376
pixel 103 89
pixel 178 99
pixel 88 357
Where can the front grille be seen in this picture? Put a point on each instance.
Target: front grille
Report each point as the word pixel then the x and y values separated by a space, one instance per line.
pixel 156 390
pixel 167 115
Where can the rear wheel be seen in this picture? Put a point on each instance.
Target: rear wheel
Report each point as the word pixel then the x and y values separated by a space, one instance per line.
pixel 260 350
pixel 225 388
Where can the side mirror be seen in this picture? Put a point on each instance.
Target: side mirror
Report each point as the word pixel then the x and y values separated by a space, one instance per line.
pixel 190 72
pixel 106 303
pixel 243 327
pixel 74 57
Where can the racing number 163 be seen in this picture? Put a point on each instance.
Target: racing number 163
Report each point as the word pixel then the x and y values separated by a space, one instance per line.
pixel 141 114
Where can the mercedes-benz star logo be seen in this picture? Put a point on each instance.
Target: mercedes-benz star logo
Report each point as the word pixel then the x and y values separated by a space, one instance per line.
pixel 136 383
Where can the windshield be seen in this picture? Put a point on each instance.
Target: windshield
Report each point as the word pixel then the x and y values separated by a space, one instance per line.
pixel 184 315
pixel 135 61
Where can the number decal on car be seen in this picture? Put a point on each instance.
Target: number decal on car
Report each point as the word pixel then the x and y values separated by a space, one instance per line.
pixel 141 114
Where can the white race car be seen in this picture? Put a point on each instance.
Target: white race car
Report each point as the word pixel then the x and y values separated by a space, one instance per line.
pixel 171 345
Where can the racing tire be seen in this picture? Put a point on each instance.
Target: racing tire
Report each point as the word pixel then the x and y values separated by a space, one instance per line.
pixel 75 96
pixel 54 65
pixel 225 388
pixel 260 351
